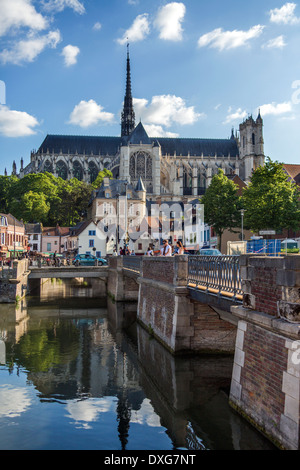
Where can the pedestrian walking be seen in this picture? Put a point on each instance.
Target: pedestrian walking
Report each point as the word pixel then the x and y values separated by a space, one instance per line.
pixel 179 248
pixel 166 250
pixel 149 252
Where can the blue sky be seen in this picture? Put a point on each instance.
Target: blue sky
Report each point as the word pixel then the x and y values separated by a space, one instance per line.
pixel 198 69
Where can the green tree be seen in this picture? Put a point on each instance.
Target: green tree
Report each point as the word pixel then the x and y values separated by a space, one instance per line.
pixel 45 198
pixel 33 207
pixel 7 183
pixel 72 201
pixel 222 205
pixel 271 201
pixel 101 175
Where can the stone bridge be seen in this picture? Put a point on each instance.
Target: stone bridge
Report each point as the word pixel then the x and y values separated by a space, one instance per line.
pixel 247 306
pixel 68 272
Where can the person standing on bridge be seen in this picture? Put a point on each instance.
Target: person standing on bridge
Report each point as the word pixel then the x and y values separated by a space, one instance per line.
pixel 179 248
pixel 166 250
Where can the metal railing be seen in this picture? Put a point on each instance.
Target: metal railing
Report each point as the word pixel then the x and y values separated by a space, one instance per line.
pixel 218 275
pixel 133 263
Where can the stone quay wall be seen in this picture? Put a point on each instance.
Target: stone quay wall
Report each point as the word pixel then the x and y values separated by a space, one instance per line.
pixel 121 285
pixel 167 311
pixel 14 281
pixel 265 385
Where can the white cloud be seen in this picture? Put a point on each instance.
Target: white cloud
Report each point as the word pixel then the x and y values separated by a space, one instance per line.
pixel 276 43
pixel 223 40
pixel 237 115
pixel 138 31
pixel 168 21
pixel 89 113
pixel 285 14
pixel 16 123
pixel 276 109
pixel 20 13
pixel 85 412
pixel 97 26
pixel 165 110
pixel 70 54
pixel 27 50
pixel 158 131
pixel 60 5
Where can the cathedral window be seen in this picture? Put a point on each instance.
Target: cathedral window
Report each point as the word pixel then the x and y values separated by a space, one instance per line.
pixel 93 172
pixel 132 167
pixel 62 170
pixel 77 171
pixel 253 138
pixel 140 166
pixel 149 168
pixel 48 166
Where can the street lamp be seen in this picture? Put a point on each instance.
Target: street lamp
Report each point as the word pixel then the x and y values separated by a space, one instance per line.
pixel 242 214
pixel 117 222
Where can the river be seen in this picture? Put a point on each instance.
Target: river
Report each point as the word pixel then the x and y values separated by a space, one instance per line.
pixel 77 372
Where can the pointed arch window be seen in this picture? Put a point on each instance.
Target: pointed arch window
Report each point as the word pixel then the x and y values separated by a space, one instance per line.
pixel 62 170
pixel 140 165
pixel 77 171
pixel 48 167
pixel 93 171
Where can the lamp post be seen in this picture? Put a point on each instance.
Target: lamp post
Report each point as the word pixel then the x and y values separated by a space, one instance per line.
pixel 117 221
pixel 242 214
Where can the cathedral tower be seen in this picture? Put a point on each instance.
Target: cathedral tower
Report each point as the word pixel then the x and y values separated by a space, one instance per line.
pixel 251 145
pixel 128 116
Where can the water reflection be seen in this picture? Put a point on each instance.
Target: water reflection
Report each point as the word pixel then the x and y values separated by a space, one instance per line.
pixel 73 379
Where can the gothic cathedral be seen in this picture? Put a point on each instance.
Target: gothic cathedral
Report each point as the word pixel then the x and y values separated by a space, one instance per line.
pixel 170 168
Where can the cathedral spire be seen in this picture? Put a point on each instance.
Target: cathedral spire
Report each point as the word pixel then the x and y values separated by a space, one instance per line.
pixel 128 116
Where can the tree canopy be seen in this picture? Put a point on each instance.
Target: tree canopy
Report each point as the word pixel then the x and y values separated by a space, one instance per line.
pixel 222 205
pixel 47 199
pixel 271 200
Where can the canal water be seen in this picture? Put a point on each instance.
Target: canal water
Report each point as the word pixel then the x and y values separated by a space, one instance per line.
pixel 77 372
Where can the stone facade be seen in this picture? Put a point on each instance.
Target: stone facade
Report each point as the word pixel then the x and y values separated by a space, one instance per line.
pixel 266 374
pixel 168 312
pixel 14 282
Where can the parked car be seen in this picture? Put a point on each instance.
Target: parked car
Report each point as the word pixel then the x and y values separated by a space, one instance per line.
pixel 210 252
pixel 89 260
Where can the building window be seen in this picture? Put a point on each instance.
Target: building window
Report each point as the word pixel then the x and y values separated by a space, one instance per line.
pixel 98 254
pixel 91 243
pixel 92 233
pixel 48 246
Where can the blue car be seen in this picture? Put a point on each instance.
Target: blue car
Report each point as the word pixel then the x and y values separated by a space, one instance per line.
pixel 210 252
pixel 89 260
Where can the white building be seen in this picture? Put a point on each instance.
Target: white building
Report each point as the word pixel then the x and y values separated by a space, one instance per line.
pixel 34 232
pixel 88 238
